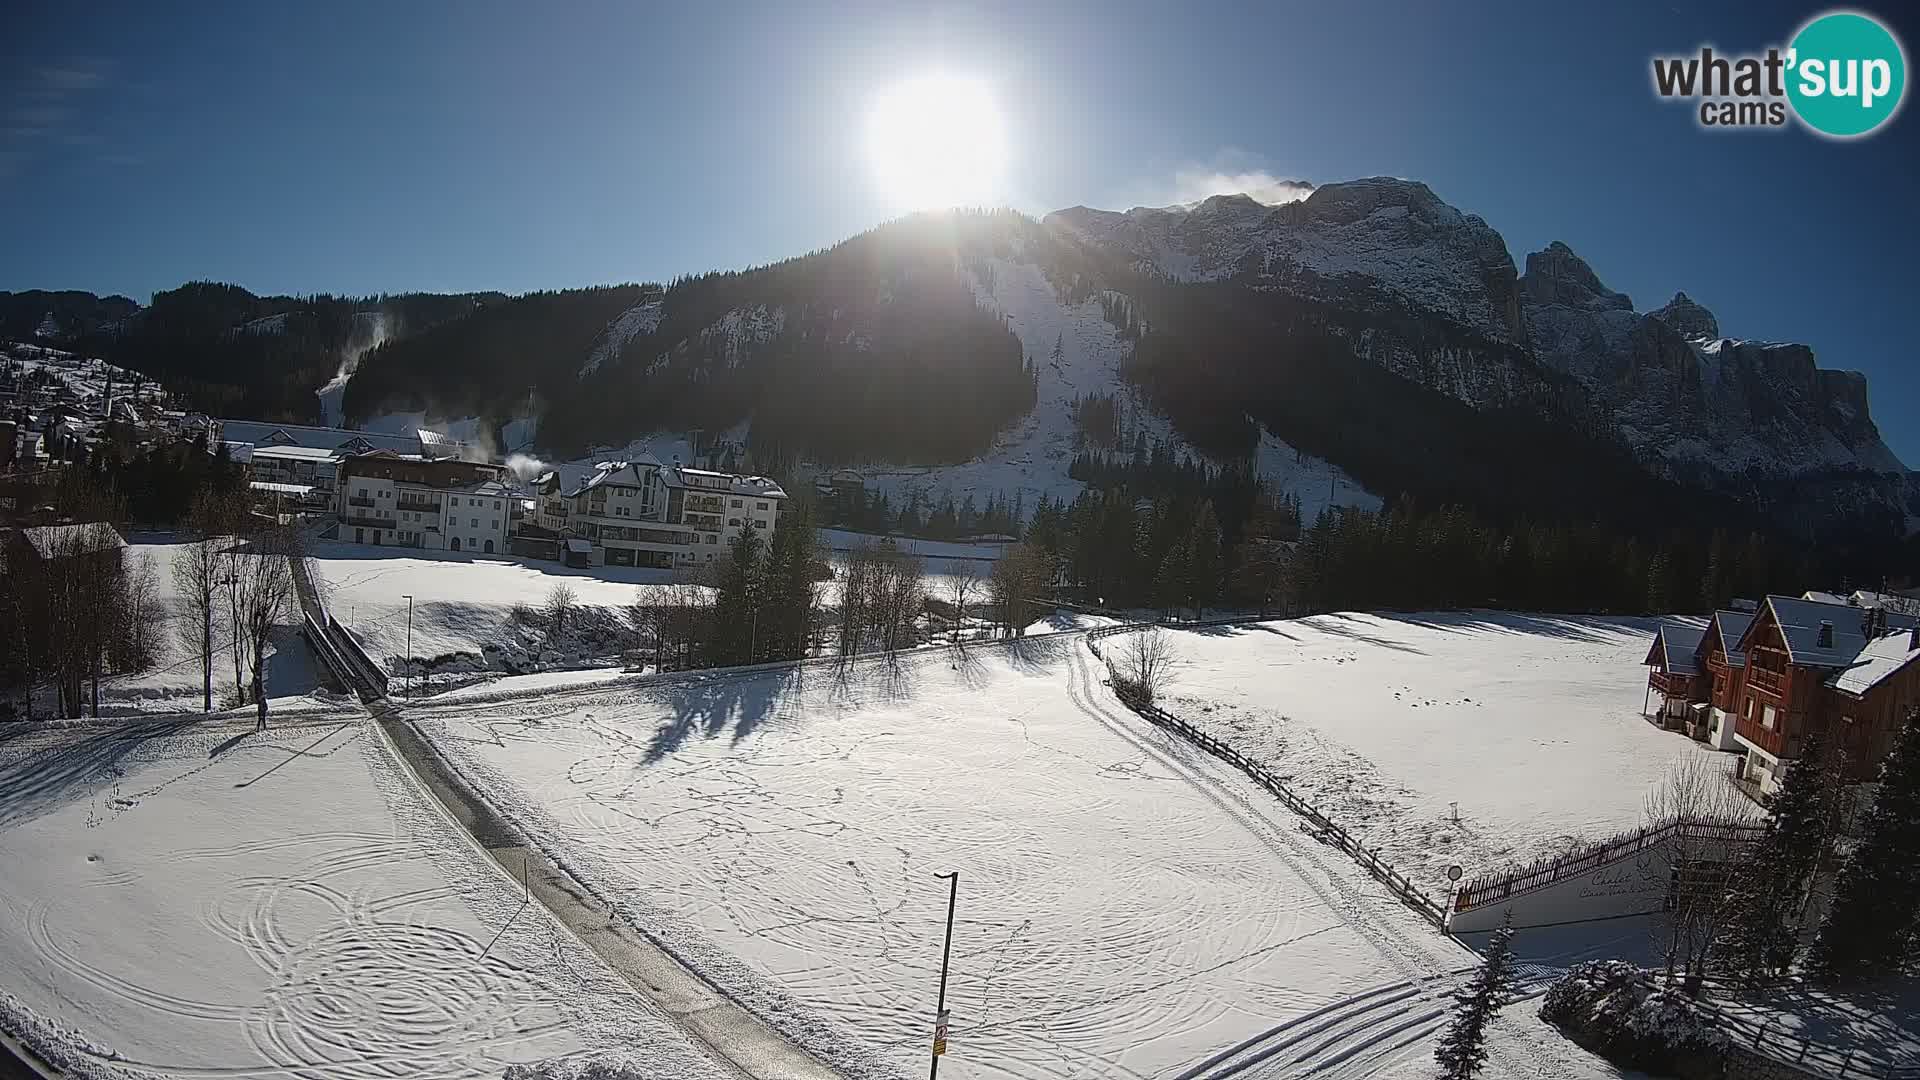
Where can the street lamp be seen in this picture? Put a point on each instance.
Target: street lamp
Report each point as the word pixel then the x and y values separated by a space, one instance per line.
pixel 940 1010
pixel 409 599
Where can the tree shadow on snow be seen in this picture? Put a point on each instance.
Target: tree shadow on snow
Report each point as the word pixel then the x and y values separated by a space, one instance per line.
pixel 708 707
pixel 1589 628
pixel 41 782
pixel 1329 625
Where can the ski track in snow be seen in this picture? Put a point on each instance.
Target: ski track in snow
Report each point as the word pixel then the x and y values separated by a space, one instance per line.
pixel 302 912
pixel 795 869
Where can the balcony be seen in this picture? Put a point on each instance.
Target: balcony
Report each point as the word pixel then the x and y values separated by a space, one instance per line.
pixel 359 500
pixel 1670 684
pixel 420 505
pixel 1773 740
pixel 1769 682
pixel 367 521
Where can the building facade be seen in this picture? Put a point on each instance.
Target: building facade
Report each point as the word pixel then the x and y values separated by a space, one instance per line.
pixel 639 512
pixel 410 501
pixel 1850 672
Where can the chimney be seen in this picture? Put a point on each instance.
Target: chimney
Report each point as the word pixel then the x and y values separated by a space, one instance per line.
pixel 1825 640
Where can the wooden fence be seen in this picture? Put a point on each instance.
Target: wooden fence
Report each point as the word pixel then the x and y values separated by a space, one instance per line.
pixel 1496 888
pixel 1324 827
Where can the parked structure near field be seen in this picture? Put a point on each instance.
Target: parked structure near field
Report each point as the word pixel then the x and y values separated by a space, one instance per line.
pixel 1763 682
pixel 639 512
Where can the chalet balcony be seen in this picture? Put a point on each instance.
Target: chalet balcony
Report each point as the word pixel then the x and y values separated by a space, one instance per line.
pixel 1769 682
pixel 359 500
pixel 1772 740
pixel 1670 684
pixel 422 505
pixel 367 521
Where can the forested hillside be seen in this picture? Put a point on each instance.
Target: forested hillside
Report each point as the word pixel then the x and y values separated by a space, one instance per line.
pixel 230 352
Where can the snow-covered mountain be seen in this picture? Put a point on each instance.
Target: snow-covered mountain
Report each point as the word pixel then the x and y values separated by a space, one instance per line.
pixel 1755 419
pixel 1698 405
pixel 1364 240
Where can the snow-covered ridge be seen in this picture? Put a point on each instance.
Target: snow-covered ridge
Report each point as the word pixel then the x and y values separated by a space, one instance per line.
pixel 1689 397
pixel 641 318
pixel 1395 233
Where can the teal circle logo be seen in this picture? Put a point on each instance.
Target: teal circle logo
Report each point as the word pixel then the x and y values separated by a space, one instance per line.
pixel 1846 74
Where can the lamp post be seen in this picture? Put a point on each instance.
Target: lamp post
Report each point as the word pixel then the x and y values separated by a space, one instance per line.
pixel 409 598
pixel 940 1010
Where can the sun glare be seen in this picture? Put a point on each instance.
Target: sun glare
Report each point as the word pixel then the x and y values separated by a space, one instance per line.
pixel 936 141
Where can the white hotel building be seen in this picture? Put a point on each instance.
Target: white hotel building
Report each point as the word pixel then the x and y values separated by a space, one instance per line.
pixel 639 512
pixel 411 501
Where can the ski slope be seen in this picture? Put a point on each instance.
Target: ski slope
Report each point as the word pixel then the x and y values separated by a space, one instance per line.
pixel 193 900
pixel 1127 907
pixel 1529 723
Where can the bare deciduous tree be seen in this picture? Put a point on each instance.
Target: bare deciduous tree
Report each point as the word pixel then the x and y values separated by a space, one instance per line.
pixel 1143 664
pixel 1018 576
pixel 962 583
pixel 558 608
pixel 1699 797
pixel 263 593
pixel 197 578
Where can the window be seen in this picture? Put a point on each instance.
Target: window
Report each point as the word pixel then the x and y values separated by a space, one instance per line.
pixel 496 504
pixel 1749 706
pixel 360 493
pixel 473 523
pixel 494 524
pixel 759 506
pixel 711 539
pixel 733 523
pixel 1766 717
pixel 736 504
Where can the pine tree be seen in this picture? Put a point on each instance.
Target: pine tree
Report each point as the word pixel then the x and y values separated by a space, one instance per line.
pixel 736 626
pixel 1463 1049
pixel 1871 927
pixel 1763 927
pixel 1203 581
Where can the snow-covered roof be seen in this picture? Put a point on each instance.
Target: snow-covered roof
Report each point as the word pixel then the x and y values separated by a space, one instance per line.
pixel 707 480
pixel 1881 657
pixel 293 453
pixel 281 489
pixel 1819 597
pixel 1800 625
pixel 1673 648
pixel 59 541
pixel 1732 626
pixel 265 433
pixel 576 544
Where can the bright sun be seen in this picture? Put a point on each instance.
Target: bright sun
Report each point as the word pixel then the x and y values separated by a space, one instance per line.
pixel 936 141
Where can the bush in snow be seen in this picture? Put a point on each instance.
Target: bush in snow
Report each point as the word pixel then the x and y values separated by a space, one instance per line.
pixel 1621 1013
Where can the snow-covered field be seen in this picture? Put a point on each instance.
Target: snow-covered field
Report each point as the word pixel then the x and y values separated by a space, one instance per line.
pixel 200 901
pixel 463 604
pixel 1530 723
pixel 1127 907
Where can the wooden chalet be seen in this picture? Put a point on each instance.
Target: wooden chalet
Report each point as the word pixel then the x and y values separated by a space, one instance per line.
pixel 1849 671
pixel 1675 674
pixel 1723 671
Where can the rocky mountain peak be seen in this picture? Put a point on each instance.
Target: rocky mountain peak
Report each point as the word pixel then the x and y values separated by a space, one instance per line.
pixel 1555 275
pixel 1687 318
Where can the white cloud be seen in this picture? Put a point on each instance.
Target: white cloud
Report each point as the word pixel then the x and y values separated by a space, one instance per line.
pixel 1192 184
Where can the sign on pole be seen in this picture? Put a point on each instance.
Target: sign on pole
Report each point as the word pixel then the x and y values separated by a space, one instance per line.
pixel 1455 873
pixel 940 1034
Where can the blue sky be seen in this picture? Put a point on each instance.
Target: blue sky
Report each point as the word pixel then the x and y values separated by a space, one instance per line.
pixel 383 147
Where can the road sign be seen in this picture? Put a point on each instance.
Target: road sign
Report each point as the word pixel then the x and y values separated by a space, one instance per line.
pixel 1454 873
pixel 940 1034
